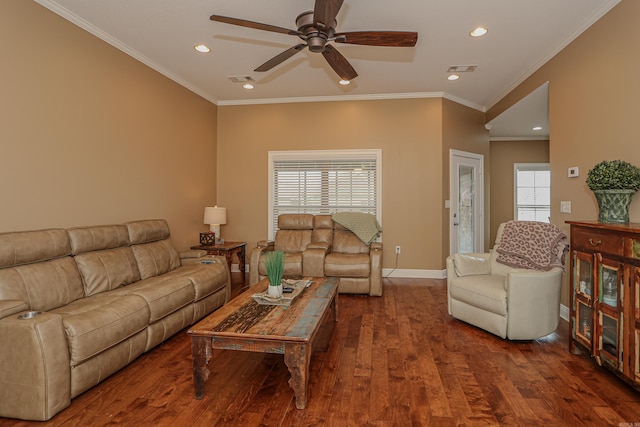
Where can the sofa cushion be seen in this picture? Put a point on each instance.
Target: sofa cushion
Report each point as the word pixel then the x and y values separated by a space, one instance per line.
pixel 97 238
pixel 322 229
pixel 486 292
pixel 44 285
pixel 347 265
pixel 291 241
pixel 205 278
pixel 156 258
pixel 344 241
pixel 292 265
pixel 163 294
pixel 295 222
pixel 32 246
pixel 145 231
pixel 103 271
pixel 96 323
pixel 470 265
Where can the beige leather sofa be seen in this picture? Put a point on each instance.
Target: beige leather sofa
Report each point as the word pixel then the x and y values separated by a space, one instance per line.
pixel 518 304
pixel 104 295
pixel 315 245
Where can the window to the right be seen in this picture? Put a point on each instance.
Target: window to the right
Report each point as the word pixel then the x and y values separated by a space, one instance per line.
pixel 532 183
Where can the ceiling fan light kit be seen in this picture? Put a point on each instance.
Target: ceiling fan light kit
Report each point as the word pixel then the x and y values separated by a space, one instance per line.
pixel 317 29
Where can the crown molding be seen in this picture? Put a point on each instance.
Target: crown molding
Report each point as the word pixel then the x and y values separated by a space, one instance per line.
pixel 519 138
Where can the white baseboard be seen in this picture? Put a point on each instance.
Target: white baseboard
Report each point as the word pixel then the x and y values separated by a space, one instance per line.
pixel 564 312
pixel 235 268
pixel 409 273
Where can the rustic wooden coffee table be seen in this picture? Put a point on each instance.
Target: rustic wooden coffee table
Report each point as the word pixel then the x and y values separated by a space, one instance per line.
pixel 294 331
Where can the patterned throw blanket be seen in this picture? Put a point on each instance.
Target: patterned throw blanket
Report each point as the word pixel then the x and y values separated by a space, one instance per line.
pixel 532 245
pixel 363 225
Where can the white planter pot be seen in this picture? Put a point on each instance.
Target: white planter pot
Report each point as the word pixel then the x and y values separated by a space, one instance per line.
pixel 274 291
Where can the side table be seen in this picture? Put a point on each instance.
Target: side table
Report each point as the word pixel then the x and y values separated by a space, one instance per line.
pixel 227 249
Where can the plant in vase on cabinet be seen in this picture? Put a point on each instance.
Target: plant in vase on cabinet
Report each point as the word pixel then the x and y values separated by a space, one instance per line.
pixel 274 264
pixel 614 182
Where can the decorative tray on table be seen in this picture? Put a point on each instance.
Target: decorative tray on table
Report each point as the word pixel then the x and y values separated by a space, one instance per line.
pixel 298 286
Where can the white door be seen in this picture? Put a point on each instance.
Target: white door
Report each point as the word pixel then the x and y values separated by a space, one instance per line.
pixel 466 224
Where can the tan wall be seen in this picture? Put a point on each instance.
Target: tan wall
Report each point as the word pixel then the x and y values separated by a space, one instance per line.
pixel 463 129
pixel 409 132
pixel 503 156
pixel 90 136
pixel 594 105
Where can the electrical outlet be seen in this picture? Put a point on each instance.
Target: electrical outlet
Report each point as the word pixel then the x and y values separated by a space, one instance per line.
pixel 397 249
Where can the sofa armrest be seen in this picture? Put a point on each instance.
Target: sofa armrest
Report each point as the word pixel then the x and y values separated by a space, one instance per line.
pixel 375 274
pixel 254 260
pixel 12 306
pixel 265 244
pixel 193 254
pixel 35 374
pixel 313 259
pixel 533 294
pixel 470 264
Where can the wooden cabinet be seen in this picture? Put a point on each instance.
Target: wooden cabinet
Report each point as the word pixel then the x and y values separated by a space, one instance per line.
pixel 605 295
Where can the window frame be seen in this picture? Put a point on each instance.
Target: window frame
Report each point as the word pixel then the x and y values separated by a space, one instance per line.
pixel 320 155
pixel 541 166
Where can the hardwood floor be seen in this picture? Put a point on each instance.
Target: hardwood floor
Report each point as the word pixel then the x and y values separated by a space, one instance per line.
pixel 399 360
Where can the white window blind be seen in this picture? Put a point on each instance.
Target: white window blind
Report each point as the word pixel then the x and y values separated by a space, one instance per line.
pixel 532 192
pixel 323 182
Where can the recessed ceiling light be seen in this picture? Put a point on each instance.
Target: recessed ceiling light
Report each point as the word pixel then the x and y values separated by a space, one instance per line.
pixel 344 82
pixel 202 48
pixel 453 77
pixel 478 32
pixel 537 128
pixel 247 86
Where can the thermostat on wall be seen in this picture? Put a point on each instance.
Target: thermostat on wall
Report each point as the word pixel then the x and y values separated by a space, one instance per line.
pixel 573 172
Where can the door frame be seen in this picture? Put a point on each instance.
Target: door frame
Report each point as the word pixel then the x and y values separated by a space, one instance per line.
pixel 479 191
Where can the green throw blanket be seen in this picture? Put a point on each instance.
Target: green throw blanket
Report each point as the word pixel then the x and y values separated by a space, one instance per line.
pixel 363 225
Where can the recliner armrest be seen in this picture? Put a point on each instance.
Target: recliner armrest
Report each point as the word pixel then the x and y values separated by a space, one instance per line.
pixel 193 254
pixel 12 306
pixel 254 259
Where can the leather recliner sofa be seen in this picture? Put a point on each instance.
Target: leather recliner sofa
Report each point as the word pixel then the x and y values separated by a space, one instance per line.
pixel 100 297
pixel 316 246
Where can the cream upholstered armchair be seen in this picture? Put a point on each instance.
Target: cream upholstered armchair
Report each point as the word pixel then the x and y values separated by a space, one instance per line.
pixel 513 303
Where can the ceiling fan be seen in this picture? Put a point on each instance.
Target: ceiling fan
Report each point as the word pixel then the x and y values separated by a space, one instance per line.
pixel 317 28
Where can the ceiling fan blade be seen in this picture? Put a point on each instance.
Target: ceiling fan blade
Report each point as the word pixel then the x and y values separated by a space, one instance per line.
pixel 379 38
pixel 339 63
pixel 278 59
pixel 255 25
pixel 325 12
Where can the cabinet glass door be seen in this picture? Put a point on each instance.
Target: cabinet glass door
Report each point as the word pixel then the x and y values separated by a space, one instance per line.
pixel 584 327
pixel 610 281
pixel 609 340
pixel 583 274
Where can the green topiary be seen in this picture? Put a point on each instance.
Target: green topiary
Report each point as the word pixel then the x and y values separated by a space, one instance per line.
pixel 614 175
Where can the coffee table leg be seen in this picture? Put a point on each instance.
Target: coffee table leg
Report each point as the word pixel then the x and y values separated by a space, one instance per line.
pixel 201 351
pixel 297 358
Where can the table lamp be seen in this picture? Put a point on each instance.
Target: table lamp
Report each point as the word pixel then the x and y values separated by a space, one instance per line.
pixel 214 216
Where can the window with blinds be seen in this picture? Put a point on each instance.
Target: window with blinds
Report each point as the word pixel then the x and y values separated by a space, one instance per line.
pixel 532 192
pixel 323 182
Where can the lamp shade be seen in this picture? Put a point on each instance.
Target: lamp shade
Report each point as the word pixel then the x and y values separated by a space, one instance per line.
pixel 215 215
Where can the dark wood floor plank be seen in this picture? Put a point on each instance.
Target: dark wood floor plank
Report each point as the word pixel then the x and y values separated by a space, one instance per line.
pixel 398 360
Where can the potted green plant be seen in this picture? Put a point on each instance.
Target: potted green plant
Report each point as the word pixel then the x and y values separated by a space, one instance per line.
pixel 274 263
pixel 614 182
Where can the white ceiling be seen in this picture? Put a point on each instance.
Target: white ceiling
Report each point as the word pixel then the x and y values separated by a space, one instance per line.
pixel 523 35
